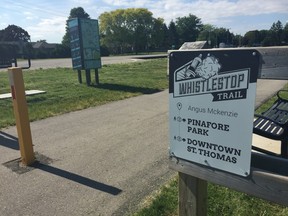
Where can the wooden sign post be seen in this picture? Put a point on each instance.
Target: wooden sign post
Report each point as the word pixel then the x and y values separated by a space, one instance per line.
pixel 192 195
pixel 21 115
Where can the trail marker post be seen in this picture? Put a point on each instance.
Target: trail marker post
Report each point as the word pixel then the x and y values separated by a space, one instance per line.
pixel 21 115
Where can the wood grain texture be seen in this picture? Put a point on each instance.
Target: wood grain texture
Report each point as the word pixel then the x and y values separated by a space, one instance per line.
pixel 192 195
pixel 270 184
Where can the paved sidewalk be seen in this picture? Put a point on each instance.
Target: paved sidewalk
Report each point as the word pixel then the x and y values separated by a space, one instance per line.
pixel 99 161
pixel 104 160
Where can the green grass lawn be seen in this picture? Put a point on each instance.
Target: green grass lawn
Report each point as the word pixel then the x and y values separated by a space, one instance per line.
pixel 65 94
pixel 222 201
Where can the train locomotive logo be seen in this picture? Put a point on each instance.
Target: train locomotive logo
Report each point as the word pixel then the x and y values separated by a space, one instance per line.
pixel 202 75
pixel 199 67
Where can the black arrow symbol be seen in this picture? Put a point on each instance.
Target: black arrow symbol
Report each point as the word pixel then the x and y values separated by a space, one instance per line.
pixel 184 120
pixel 184 140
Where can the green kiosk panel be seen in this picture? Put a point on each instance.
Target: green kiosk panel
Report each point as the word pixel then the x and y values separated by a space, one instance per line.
pixel 85 45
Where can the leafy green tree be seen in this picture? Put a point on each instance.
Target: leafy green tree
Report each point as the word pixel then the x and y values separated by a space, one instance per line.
pixel 219 35
pixel 60 52
pixel 208 34
pixel 173 36
pixel 263 34
pixel 252 38
pixel 222 35
pixel 14 42
pixel 114 31
pixel 237 40
pixel 285 34
pixel 265 37
pixel 141 23
pixel 166 37
pixel 14 33
pixel 126 29
pixel 277 33
pixel 159 35
pixel 188 28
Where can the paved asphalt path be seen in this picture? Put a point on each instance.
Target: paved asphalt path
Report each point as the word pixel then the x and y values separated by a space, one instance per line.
pixel 98 161
pixel 104 160
pixel 67 62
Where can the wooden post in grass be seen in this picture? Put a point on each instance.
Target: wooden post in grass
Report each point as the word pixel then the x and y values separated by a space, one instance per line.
pixel 21 115
pixel 96 77
pixel 88 77
pixel 192 196
pixel 79 76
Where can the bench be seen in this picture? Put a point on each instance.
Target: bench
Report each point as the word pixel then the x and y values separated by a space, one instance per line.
pixel 10 51
pixel 7 62
pixel 273 124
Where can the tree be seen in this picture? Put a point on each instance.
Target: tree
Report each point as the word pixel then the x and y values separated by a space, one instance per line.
pixel 114 31
pixel 188 28
pixel 285 33
pixel 249 38
pixel 265 37
pixel 159 35
pixel 277 33
pixel 141 24
pixel 257 38
pixel 237 40
pixel 173 36
pixel 14 40
pixel 223 35
pixel 208 34
pixel 14 33
pixel 219 35
pixel 165 42
pixel 126 29
pixel 74 13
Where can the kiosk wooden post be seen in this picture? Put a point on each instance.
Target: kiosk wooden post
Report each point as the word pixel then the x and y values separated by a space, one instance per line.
pixel 96 77
pixel 79 76
pixel 88 77
pixel 21 115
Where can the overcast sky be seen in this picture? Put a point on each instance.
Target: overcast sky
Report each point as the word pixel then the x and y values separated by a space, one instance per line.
pixel 45 19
